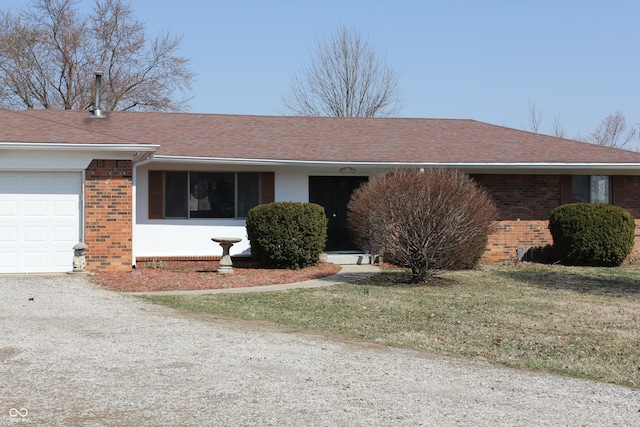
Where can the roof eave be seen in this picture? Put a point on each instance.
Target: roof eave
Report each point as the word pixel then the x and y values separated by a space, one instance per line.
pixel 557 166
pixel 77 147
pixel 138 151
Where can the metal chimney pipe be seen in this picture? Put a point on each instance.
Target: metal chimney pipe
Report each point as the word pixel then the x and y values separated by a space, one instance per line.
pixel 96 108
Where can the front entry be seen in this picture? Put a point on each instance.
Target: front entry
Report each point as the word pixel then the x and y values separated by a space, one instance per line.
pixel 333 193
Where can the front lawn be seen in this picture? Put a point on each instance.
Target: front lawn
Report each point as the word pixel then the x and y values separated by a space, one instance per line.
pixel 582 322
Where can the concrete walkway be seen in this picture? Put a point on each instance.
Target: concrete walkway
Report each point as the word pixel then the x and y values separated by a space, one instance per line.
pixel 349 273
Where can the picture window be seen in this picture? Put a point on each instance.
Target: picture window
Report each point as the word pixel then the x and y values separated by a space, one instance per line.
pixel 210 194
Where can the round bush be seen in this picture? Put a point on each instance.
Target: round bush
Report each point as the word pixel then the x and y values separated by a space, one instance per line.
pixel 287 234
pixel 426 220
pixel 592 234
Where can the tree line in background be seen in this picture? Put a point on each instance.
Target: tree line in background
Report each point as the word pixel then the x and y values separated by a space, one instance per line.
pixel 612 131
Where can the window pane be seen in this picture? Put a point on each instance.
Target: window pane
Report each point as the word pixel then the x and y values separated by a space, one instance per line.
pixel 248 192
pixel 591 189
pixel 175 190
pixel 600 189
pixel 212 195
pixel 581 184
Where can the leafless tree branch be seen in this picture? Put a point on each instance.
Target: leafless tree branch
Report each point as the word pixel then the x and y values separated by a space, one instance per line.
pixel 49 53
pixel 345 79
pixel 558 128
pixel 612 132
pixel 535 117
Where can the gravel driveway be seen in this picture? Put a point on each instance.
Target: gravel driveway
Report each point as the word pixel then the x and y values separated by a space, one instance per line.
pixel 74 354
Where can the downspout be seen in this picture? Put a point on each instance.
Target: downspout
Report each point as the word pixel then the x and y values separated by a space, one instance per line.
pixel 134 205
pixel 83 206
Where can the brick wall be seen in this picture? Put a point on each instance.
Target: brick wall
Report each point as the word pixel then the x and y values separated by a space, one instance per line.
pixel 513 235
pixel 631 202
pixel 631 195
pixel 109 215
pixel 525 202
pixel 522 196
pixel 635 255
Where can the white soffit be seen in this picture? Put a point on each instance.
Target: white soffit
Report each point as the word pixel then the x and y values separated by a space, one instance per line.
pixel 42 156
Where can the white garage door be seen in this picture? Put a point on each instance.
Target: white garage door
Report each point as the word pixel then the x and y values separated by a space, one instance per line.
pixel 39 221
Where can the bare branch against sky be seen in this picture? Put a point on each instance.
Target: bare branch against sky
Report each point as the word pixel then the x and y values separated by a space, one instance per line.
pixel 557 128
pixel 535 117
pixel 612 132
pixel 49 53
pixel 346 78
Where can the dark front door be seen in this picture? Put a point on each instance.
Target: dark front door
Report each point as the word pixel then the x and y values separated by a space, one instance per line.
pixel 333 193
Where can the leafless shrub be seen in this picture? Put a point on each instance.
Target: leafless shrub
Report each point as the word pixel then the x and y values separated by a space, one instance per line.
pixel 426 220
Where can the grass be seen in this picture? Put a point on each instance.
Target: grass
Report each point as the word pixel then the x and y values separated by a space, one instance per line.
pixel 580 322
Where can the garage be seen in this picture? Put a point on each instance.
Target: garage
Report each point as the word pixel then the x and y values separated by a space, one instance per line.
pixel 40 221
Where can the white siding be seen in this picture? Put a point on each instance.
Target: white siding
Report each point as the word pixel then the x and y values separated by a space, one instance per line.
pixel 175 237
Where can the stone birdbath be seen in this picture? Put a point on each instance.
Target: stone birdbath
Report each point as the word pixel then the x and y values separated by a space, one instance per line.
pixel 226 266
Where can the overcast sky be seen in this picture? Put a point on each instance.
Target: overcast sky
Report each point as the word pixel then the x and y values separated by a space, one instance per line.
pixel 484 60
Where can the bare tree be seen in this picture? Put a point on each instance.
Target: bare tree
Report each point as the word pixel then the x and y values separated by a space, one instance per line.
pixel 49 53
pixel 612 132
pixel 345 79
pixel 558 129
pixel 535 117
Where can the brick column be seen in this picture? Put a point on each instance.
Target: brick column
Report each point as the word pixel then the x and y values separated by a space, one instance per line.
pixel 108 215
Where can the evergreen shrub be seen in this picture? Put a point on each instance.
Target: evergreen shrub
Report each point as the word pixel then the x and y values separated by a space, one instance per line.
pixel 287 234
pixel 592 234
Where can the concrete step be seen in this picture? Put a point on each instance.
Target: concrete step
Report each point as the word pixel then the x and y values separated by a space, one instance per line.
pixel 348 258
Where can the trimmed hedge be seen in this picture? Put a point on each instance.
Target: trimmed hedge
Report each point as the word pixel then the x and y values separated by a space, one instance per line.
pixel 592 234
pixel 287 234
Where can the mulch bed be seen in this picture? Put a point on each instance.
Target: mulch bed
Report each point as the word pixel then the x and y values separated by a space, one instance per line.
pixel 201 276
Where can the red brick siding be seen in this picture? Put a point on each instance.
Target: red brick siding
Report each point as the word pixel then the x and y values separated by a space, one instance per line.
pixel 109 215
pixel 631 195
pixel 511 235
pixel 522 196
pixel 631 202
pixel 531 199
pixel 635 255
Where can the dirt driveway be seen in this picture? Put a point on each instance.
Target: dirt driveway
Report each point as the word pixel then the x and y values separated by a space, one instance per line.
pixel 74 354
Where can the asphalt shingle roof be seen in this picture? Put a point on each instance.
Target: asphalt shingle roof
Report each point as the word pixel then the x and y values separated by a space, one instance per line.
pixel 313 139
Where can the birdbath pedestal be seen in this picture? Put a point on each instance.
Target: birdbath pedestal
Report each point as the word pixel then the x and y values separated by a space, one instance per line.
pixel 226 266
